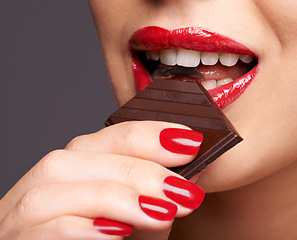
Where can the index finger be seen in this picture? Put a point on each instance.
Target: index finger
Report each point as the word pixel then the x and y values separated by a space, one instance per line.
pixel 169 144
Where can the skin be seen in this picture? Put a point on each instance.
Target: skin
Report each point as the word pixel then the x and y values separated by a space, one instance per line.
pixel 265 102
pixel 267 124
pixel 251 190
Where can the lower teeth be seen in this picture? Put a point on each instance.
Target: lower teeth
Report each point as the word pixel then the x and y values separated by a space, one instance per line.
pixel 211 84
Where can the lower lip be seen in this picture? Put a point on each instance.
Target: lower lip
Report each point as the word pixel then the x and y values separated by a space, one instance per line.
pixel 223 95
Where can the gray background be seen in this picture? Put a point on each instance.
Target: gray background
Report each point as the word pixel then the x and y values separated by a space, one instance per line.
pixel 53 81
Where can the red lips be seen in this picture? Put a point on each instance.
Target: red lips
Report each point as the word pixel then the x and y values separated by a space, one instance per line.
pixel 154 38
pixel 199 39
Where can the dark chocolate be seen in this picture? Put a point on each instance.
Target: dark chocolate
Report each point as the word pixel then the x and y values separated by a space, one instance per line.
pixel 188 103
pixel 166 72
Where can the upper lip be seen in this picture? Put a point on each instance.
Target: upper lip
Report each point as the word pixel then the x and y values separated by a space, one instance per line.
pixel 153 38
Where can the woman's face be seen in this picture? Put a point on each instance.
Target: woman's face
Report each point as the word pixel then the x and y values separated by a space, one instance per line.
pixel 265 114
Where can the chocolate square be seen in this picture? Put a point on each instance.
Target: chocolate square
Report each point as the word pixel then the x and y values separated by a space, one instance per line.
pixel 187 103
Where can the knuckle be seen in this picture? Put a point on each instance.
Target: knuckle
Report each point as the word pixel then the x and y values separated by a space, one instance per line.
pixel 105 190
pixel 136 172
pixel 61 228
pixel 128 134
pixel 109 193
pixel 26 207
pixel 130 172
pixel 76 143
pixel 20 217
pixel 49 165
pixel 152 178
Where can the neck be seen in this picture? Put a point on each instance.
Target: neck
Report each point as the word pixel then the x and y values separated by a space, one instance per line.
pixel 266 209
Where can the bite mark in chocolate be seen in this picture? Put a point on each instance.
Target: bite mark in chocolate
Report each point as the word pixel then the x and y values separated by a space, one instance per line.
pixel 187 103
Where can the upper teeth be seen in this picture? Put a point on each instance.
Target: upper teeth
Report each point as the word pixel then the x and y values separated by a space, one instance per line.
pixel 190 58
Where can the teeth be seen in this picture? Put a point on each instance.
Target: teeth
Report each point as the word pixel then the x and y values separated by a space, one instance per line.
pixel 190 58
pixel 246 58
pixel 228 59
pixel 148 55
pixel 224 81
pixel 168 57
pixel 209 84
pixel 209 58
pixel 155 55
pixel 187 58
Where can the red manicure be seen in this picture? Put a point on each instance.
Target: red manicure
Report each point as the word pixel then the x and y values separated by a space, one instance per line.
pixel 157 208
pixel 112 227
pixel 183 192
pixel 182 141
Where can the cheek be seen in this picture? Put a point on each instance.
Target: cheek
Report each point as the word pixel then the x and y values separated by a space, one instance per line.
pixel 282 18
pixel 109 16
pixel 112 20
pixel 267 122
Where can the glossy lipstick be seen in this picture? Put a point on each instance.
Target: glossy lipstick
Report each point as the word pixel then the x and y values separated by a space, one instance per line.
pixel 154 38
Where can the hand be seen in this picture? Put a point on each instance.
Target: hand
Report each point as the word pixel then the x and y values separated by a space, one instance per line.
pixel 116 177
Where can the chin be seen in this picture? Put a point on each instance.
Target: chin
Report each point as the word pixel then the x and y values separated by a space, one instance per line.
pixel 225 174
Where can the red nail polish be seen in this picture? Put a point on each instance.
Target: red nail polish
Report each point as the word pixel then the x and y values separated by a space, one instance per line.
pixel 157 208
pixel 112 227
pixel 182 141
pixel 183 192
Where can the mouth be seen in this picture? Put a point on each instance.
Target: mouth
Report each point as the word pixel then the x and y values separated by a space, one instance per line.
pixel 223 66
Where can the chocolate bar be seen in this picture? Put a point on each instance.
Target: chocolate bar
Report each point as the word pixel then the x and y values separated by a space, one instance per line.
pixel 187 103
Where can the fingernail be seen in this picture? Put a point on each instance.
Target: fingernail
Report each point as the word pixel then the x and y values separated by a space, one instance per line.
pixel 182 141
pixel 157 208
pixel 112 227
pixel 183 192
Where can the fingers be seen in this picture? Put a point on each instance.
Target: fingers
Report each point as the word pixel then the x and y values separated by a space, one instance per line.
pixel 145 177
pixel 117 174
pixel 68 166
pixel 91 200
pixel 169 144
pixel 65 228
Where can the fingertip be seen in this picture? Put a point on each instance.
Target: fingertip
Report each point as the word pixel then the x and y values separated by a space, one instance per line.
pixel 181 141
pixel 157 208
pixel 183 192
pixel 112 227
